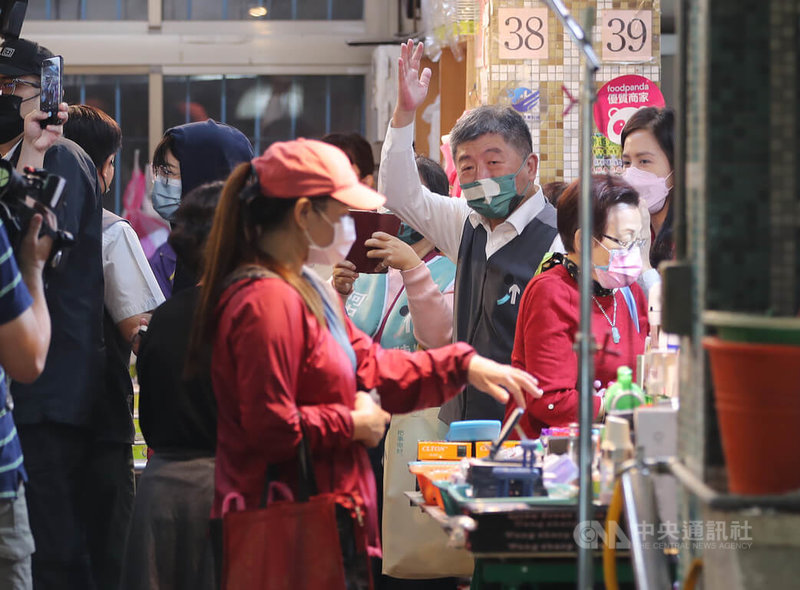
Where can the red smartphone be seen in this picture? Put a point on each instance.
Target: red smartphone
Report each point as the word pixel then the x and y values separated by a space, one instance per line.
pixel 367 223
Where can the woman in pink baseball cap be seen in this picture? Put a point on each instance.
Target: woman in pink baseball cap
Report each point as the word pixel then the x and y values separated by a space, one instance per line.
pixel 286 362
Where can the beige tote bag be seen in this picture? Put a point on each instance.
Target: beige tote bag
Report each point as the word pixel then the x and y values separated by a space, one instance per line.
pixel 414 545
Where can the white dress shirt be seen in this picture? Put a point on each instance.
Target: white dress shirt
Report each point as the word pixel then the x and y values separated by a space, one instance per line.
pixel 130 286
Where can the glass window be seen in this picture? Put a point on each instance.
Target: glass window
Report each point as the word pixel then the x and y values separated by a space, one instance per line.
pixel 125 98
pixel 268 108
pixel 264 9
pixel 87 10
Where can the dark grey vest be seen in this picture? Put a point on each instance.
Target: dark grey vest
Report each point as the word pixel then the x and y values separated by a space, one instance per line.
pixel 487 297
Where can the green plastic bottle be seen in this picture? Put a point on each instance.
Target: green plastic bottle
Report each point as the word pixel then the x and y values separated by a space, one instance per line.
pixel 624 395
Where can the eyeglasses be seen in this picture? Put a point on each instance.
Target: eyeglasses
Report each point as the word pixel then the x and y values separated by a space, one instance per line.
pixel 10 86
pixel 637 243
pixel 165 172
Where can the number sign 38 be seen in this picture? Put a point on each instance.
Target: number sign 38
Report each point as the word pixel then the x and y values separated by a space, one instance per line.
pixel 627 35
pixel 523 33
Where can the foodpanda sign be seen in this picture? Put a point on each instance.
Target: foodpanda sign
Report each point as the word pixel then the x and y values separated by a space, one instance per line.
pixel 619 98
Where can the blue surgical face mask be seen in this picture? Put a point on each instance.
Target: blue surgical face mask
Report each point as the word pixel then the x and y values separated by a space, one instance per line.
pixel 408 234
pixel 166 196
pixel 494 197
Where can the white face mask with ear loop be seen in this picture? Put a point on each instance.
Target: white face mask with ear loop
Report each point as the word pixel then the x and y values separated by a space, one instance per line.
pixel 344 235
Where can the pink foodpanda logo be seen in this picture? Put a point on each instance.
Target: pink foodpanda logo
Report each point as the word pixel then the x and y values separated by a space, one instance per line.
pixel 617 120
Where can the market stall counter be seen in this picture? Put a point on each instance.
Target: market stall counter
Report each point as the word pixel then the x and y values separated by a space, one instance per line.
pixel 516 508
pixel 522 542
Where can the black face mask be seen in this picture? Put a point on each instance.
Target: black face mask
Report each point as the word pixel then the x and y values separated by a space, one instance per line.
pixel 11 123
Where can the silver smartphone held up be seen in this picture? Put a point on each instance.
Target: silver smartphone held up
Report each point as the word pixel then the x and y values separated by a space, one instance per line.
pixel 51 91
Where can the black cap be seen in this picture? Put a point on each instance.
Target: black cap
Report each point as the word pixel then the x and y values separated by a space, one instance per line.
pixel 20 57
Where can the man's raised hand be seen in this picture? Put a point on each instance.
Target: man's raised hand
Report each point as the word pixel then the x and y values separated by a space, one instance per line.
pixel 412 87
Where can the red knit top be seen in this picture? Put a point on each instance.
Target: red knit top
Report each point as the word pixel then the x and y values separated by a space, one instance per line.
pixel 548 321
pixel 275 369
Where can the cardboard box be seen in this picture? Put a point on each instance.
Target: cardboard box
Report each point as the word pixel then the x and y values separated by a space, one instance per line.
pixel 435 450
pixel 482 447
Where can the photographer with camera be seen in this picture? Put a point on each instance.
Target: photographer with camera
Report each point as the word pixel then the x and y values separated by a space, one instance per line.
pixel 54 414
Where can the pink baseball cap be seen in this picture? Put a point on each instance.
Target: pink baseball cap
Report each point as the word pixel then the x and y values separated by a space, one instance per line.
pixel 311 168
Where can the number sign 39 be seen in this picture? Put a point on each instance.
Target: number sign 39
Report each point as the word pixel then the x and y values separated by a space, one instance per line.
pixel 627 35
pixel 523 33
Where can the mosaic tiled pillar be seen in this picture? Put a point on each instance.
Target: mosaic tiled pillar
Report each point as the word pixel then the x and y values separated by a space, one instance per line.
pixel 742 116
pixel 752 151
pixel 555 135
pixel 692 419
pixel 783 159
pixel 737 200
pixel 693 416
pixel 741 183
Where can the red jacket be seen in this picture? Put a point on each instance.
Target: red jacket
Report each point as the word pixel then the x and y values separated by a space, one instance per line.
pixel 274 368
pixel 548 320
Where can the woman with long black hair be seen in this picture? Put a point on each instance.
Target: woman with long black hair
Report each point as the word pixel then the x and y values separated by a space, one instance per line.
pixel 648 159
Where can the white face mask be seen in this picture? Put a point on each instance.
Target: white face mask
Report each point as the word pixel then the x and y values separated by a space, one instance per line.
pixel 344 234
pixel 652 189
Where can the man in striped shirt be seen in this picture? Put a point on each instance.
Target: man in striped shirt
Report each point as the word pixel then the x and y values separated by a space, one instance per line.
pixel 24 341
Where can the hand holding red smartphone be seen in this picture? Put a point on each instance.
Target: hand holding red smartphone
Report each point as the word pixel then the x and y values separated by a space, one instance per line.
pixel 367 223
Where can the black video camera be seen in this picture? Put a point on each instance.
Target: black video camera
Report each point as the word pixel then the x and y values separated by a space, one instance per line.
pixel 24 195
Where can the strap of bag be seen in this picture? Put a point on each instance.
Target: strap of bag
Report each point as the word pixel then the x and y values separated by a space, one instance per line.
pixel 306 479
pixel 232 498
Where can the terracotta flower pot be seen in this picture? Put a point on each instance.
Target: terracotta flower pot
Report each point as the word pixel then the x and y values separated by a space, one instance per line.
pixel 757 394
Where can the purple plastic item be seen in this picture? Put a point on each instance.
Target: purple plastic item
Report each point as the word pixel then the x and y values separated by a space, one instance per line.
pixel 560 469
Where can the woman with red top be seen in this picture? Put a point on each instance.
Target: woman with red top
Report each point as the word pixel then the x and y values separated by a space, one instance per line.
pixel 549 314
pixel 286 362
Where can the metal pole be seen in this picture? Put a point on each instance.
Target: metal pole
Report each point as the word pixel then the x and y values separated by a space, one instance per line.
pixel 585 348
pixel 650 567
pixel 584 338
pixel 679 165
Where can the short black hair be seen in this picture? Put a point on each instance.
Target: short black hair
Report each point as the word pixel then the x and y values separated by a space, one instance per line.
pixel 192 224
pixel 607 191
pixel 357 149
pixel 160 153
pixel 95 131
pixel 659 122
pixel 432 175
